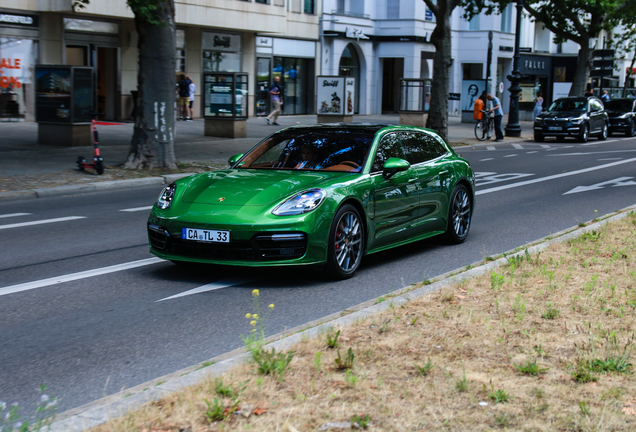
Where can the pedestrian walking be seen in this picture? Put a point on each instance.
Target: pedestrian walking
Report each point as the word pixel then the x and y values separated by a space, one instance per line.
pixel 276 92
pixel 498 116
pixel 192 88
pixel 183 87
pixel 538 105
pixel 605 98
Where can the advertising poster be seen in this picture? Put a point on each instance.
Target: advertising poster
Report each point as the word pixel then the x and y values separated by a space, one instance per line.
pixel 218 95
pixel 330 91
pixel 560 89
pixel 350 95
pixel 53 94
pixel 471 89
pixel 82 94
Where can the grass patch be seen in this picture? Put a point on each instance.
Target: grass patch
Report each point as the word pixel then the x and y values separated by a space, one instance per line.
pixel 541 343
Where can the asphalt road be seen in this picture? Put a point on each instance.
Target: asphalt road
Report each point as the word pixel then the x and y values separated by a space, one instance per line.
pixel 95 333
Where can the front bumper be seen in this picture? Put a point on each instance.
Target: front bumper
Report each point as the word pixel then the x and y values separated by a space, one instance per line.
pixel 267 240
pixel 565 129
pixel 619 125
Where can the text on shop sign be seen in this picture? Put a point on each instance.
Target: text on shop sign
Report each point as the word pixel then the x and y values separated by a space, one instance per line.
pixel 7 63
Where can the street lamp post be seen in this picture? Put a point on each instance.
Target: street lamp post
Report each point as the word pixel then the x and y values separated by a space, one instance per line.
pixel 513 128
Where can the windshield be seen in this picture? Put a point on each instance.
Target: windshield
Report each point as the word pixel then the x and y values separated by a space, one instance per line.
pixel 563 105
pixel 619 105
pixel 343 151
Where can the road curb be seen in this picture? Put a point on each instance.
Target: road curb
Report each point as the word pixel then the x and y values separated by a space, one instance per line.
pixel 100 411
pixel 91 187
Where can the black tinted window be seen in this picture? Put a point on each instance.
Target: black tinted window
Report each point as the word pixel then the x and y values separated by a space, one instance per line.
pixel 421 147
pixel 389 147
pixel 619 105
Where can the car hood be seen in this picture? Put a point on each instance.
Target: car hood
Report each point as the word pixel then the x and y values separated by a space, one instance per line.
pixel 562 114
pixel 614 113
pixel 251 187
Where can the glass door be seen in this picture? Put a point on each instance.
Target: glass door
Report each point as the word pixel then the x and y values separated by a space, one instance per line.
pixel 263 79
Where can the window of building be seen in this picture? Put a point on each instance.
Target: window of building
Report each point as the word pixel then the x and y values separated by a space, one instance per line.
pixel 181 50
pixel 473 24
pixel 262 1
pixel 506 19
pixel 309 6
pixel 221 52
pixel 392 10
pixel 17 90
pixel 293 74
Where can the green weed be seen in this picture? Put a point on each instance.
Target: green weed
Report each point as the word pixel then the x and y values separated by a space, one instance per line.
pixel 530 368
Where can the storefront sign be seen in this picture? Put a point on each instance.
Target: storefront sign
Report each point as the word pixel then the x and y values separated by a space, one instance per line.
pixel 330 95
pixel 21 20
pixel 221 42
pixel 350 92
pixel 264 41
pixel 534 65
pixel 355 33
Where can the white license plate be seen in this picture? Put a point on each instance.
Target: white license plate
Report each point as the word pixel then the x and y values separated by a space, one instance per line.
pixel 555 128
pixel 204 235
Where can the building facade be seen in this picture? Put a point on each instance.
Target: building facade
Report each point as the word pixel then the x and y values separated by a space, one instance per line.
pixel 264 38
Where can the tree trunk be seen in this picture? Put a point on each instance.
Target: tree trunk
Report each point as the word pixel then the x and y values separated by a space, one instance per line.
pixel 583 67
pixel 152 143
pixel 442 61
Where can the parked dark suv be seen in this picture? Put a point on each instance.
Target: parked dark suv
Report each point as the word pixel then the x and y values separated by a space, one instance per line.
pixel 622 116
pixel 577 117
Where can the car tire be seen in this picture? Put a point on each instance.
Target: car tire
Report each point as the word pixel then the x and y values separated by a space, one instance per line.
pixel 538 137
pixel 603 135
pixel 345 244
pixel 584 135
pixel 631 130
pixel 460 214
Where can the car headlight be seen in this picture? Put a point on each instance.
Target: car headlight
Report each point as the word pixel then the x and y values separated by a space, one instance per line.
pixel 165 197
pixel 303 202
pixel 624 116
pixel 577 120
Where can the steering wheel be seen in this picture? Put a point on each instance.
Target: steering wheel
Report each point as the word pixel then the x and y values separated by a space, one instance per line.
pixel 350 163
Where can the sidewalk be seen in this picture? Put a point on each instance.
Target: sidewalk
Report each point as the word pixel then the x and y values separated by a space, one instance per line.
pixel 20 154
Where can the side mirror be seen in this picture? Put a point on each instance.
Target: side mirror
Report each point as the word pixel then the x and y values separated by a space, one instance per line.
pixel 234 159
pixel 394 165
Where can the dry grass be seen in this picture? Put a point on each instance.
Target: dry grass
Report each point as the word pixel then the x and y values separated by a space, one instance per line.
pixel 478 338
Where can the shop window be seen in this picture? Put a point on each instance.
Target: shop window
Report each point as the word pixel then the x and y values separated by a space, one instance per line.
pixel 221 52
pixel 350 66
pixel 293 74
pixel 19 57
pixel 309 6
pixel 181 50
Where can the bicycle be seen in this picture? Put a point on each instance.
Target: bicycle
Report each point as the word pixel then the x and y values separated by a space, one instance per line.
pixel 484 127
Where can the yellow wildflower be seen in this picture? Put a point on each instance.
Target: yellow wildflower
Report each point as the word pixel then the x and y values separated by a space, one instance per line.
pixel 255 293
pixel 255 316
pixel 248 315
pixel 253 322
pixel 271 306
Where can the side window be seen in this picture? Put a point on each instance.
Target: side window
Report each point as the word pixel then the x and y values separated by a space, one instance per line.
pixel 389 147
pixel 421 147
pixel 598 105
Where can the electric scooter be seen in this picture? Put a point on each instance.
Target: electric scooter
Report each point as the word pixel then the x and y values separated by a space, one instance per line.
pixel 98 162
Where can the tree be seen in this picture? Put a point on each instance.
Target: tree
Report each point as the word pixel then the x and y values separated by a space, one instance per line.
pixel 441 39
pixel 623 40
pixel 152 143
pixel 575 20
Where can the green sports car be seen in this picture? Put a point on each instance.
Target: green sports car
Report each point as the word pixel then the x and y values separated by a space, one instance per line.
pixel 324 194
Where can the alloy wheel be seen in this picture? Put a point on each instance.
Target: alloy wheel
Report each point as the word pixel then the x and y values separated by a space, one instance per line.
pixel 461 213
pixel 348 242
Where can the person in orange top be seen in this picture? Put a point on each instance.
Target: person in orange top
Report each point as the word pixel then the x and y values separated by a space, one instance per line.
pixel 479 106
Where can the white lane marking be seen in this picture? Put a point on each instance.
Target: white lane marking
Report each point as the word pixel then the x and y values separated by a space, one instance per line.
pixel 40 222
pixel 599 142
pixel 593 152
pixel 551 149
pixel 621 181
pixel 608 159
pixel 135 209
pixel 512 155
pixel 545 146
pixel 517 146
pixel 536 151
pixel 76 276
pixel 13 215
pixel 552 177
pixel 224 283
pixel 490 148
pixel 487 159
pixel 486 178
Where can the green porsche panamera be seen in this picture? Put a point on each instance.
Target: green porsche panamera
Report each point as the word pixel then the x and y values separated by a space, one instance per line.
pixel 323 194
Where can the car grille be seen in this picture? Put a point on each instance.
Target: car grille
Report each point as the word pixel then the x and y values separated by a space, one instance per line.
pixel 262 247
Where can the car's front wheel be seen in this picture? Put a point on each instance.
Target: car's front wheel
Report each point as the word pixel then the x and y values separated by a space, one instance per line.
pixel 459 215
pixel 346 243
pixel 583 136
pixel 603 134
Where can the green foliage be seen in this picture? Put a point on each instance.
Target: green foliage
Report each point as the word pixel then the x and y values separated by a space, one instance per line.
pixel 332 338
pixel 347 362
pixel 551 313
pixel 217 411
pixel 44 415
pixel 362 422
pixel 530 368
pixel 350 378
pixel 499 395
pixel 318 361
pixel 271 362
pixel 426 369
pixel 584 409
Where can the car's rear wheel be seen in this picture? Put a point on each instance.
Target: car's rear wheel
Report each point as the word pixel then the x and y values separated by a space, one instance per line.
pixel 584 135
pixel 346 243
pixel 603 135
pixel 459 215
pixel 538 137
